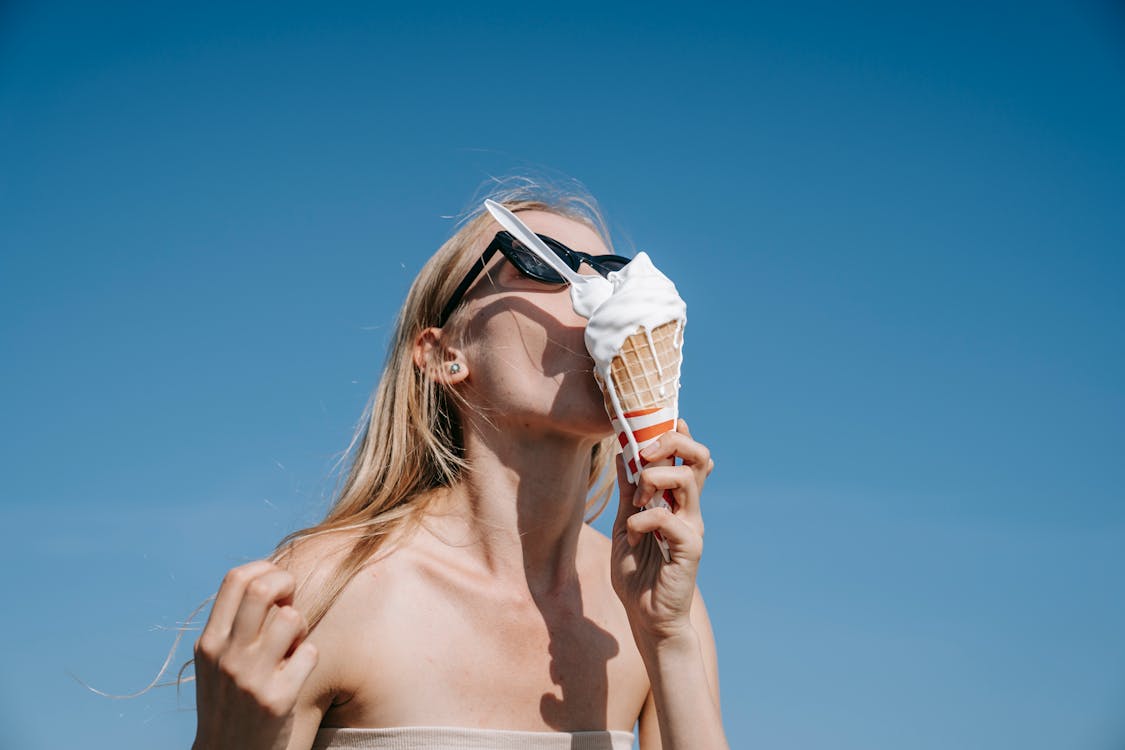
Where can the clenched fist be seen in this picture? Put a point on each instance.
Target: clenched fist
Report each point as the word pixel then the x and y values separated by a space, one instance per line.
pixel 251 661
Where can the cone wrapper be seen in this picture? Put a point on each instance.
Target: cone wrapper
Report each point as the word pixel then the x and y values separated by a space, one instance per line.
pixel 642 399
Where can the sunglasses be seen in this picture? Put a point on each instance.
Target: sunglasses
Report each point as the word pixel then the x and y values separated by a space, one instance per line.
pixel 530 265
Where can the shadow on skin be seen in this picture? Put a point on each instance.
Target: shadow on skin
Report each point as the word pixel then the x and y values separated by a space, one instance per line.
pixel 562 340
pixel 579 648
pixel 580 652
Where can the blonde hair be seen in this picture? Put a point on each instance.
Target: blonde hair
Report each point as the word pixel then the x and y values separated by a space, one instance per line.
pixel 407 445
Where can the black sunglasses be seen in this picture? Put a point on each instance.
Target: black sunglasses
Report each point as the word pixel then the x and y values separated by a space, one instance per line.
pixel 530 265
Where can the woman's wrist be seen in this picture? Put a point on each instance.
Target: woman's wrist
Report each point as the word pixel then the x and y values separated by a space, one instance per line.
pixel 686 706
pixel 667 641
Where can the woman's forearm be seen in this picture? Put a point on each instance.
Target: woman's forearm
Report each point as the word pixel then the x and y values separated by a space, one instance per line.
pixel 686 708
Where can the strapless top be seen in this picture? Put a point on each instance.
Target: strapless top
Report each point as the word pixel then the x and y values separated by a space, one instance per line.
pixel 457 738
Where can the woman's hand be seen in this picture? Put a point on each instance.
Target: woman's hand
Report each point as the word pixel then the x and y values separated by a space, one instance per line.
pixel 658 595
pixel 251 661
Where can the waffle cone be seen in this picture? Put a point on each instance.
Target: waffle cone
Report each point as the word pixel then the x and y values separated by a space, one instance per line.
pixel 647 375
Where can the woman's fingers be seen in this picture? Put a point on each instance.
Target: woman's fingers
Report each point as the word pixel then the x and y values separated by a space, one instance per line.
pixel 298 668
pixel 686 480
pixel 684 486
pixel 230 595
pixel 274 587
pixel 680 444
pixel 681 537
pixel 284 627
pixel 653 480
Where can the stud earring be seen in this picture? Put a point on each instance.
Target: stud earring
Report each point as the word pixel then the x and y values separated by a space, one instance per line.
pixel 454 368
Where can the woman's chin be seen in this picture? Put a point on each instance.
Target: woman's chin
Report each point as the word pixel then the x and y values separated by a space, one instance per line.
pixel 584 414
pixel 596 422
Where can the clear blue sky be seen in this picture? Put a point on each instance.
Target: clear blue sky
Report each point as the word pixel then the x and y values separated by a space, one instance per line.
pixel 898 228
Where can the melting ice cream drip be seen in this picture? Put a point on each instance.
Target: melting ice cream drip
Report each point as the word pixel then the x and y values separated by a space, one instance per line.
pixel 656 359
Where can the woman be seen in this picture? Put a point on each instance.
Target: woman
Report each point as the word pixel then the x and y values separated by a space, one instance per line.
pixel 455 583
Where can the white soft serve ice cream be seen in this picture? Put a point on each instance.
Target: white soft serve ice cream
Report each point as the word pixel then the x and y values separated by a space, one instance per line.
pixel 642 297
pixel 588 296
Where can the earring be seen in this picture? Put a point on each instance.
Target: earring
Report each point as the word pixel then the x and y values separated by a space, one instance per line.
pixel 454 368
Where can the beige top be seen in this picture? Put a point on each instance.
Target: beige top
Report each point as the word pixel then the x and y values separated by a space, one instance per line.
pixel 457 738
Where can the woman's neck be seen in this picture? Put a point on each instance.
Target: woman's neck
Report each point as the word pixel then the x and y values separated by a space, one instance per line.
pixel 521 503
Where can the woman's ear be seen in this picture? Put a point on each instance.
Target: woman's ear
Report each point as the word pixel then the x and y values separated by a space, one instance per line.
pixel 439 363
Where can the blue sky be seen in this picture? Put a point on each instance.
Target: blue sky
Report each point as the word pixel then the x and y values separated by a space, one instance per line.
pixel 897 228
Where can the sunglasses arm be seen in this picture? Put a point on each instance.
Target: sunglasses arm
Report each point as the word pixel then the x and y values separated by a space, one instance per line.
pixel 467 282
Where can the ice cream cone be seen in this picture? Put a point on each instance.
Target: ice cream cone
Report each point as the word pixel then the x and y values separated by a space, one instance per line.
pixel 646 370
pixel 645 381
pixel 642 397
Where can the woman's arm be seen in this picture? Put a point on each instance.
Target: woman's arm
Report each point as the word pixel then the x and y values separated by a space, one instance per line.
pixel 685 681
pixel 666 613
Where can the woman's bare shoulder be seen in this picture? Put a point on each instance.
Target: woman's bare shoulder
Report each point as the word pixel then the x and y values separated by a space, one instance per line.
pixel 313 558
pixel 315 562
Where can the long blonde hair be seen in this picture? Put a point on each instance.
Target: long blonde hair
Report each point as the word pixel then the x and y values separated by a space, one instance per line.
pixel 408 444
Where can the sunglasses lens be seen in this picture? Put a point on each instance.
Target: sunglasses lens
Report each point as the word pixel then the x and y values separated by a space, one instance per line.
pixel 531 265
pixel 613 263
